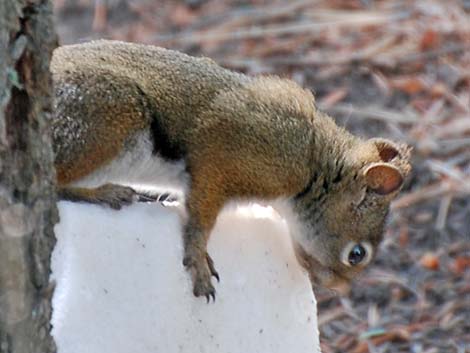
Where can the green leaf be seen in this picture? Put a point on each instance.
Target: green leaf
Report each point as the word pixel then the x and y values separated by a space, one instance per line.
pixel 14 78
pixel 372 333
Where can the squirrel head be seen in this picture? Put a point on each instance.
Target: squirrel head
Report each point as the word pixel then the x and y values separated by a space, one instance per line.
pixel 342 217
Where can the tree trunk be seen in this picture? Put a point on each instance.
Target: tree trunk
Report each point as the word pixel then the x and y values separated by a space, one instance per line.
pixel 27 201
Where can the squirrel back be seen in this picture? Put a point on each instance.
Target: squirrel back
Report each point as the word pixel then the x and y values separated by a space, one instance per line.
pixel 108 91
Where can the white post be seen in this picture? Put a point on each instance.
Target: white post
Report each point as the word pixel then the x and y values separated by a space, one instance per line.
pixel 121 285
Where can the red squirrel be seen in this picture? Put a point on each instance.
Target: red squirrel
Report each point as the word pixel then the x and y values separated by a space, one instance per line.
pixel 130 113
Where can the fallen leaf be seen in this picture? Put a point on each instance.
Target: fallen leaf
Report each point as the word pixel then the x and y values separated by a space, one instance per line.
pixel 410 85
pixel 438 90
pixel 430 261
pixel 460 264
pixel 430 40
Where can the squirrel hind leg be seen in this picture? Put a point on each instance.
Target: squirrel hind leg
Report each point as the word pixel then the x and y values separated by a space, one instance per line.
pixel 112 195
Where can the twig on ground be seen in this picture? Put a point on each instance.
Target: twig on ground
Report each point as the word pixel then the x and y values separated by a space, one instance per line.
pixel 331 315
pixel 441 218
pixel 374 113
pixel 290 28
pixel 435 190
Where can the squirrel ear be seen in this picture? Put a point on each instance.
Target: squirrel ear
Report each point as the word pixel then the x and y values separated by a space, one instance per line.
pixel 383 178
pixel 387 149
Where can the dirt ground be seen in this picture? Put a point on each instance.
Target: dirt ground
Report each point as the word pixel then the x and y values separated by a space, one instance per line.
pixel 397 69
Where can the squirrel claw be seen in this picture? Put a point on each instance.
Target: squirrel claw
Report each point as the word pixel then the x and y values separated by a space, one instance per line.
pixel 209 296
pixel 210 264
pixel 204 288
pixel 164 197
pixel 216 275
pixel 202 271
pixel 146 198
pixel 155 197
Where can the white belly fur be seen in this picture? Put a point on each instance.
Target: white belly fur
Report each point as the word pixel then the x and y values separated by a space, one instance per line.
pixel 139 167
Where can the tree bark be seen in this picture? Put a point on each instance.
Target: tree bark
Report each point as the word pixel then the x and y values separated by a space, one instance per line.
pixel 27 201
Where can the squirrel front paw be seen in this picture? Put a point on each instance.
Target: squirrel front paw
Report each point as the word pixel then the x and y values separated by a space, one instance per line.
pixel 202 269
pixel 114 195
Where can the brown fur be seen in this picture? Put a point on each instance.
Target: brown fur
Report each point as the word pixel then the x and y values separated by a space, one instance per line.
pixel 241 137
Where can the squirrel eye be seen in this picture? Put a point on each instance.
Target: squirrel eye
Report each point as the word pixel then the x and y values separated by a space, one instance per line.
pixel 356 253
